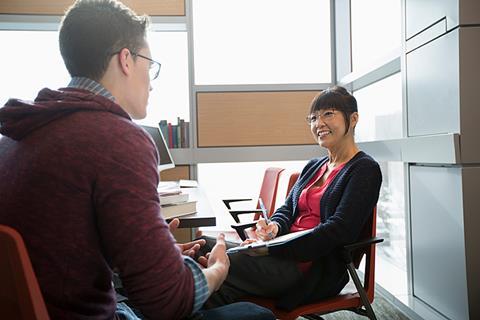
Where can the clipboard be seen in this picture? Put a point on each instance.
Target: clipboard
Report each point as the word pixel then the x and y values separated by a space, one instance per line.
pixel 282 240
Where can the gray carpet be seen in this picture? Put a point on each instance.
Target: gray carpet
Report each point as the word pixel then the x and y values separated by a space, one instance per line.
pixel 384 310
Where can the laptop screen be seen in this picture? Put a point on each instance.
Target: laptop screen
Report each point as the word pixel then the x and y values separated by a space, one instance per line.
pixel 166 160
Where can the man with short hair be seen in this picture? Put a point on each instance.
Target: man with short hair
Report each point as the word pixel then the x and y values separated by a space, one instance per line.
pixel 78 180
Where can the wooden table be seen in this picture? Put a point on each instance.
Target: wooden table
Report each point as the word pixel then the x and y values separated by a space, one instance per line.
pixel 204 217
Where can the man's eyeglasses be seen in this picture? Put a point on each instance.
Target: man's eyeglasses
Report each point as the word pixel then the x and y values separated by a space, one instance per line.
pixel 154 66
pixel 324 116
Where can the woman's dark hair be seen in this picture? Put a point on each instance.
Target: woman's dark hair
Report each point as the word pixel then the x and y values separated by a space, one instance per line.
pixel 337 98
pixel 93 30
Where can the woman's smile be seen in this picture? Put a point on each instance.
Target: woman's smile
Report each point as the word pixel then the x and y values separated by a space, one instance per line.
pixel 322 133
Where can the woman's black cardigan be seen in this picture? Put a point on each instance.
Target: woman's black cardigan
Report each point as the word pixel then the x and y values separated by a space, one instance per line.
pixel 345 207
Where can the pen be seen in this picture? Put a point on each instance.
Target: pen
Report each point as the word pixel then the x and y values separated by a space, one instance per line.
pixel 264 211
pixel 265 215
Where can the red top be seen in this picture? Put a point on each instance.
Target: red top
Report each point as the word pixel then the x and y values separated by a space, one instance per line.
pixel 309 205
pixel 309 201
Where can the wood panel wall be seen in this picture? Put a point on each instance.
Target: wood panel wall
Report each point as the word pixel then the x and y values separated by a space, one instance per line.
pixel 253 118
pixel 177 173
pixel 58 7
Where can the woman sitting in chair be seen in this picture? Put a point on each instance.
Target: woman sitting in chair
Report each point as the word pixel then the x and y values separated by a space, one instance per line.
pixel 334 195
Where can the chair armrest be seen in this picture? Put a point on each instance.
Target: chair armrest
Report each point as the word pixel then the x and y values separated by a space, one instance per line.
pixel 347 249
pixel 235 213
pixel 362 243
pixel 228 201
pixel 240 228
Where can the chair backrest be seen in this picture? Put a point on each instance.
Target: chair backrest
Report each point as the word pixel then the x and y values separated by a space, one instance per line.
pixel 268 190
pixel 291 182
pixel 285 184
pixel 20 295
pixel 369 231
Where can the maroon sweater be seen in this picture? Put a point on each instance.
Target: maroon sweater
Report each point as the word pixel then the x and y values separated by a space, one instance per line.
pixel 78 180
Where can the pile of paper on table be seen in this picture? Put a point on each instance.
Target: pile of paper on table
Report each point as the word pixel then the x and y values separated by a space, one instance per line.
pixel 174 202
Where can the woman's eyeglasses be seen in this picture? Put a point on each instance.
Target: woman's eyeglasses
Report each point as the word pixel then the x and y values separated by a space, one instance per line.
pixel 324 116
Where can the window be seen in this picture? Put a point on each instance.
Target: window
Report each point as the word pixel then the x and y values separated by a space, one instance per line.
pixel 374 35
pixel 169 98
pixel 26 71
pixel 262 42
pixel 30 61
pixel 239 180
pixel 380 110
pixel 391 268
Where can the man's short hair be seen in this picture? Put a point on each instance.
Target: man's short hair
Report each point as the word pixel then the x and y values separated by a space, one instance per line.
pixel 93 30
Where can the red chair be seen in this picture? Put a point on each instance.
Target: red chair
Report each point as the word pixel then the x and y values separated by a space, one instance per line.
pixel 358 301
pixel 20 295
pixel 291 181
pixel 241 227
pixel 268 193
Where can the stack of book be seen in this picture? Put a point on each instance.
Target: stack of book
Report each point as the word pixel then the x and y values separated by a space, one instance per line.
pixel 176 135
pixel 175 203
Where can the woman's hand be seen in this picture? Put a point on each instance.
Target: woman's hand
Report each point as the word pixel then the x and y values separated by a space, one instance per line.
pixel 247 242
pixel 266 231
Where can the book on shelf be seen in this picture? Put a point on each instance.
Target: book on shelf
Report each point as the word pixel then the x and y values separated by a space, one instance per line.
pixel 182 135
pixel 176 135
pixel 170 135
pixel 170 211
pixel 163 124
pixel 173 198
pixel 178 141
pixel 186 133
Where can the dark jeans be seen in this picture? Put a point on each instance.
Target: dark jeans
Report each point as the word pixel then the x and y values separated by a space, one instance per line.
pixel 234 311
pixel 237 311
pixel 265 276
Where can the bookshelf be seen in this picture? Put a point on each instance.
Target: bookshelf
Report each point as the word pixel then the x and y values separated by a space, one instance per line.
pixel 194 156
pixel 177 135
pixel 446 151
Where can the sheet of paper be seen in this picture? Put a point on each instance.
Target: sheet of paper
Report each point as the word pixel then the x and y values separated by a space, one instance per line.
pixel 277 241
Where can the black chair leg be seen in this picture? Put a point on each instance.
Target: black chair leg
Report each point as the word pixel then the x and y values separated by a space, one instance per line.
pixel 361 291
pixel 312 317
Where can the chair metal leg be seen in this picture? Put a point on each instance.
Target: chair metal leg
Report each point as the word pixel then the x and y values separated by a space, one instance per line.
pixel 361 291
pixel 312 317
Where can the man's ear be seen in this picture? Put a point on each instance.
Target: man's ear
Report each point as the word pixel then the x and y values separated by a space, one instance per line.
pixel 125 61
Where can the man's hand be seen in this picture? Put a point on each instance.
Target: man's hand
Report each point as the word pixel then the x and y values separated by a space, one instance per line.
pixel 219 253
pixel 173 225
pixel 189 248
pixel 217 265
